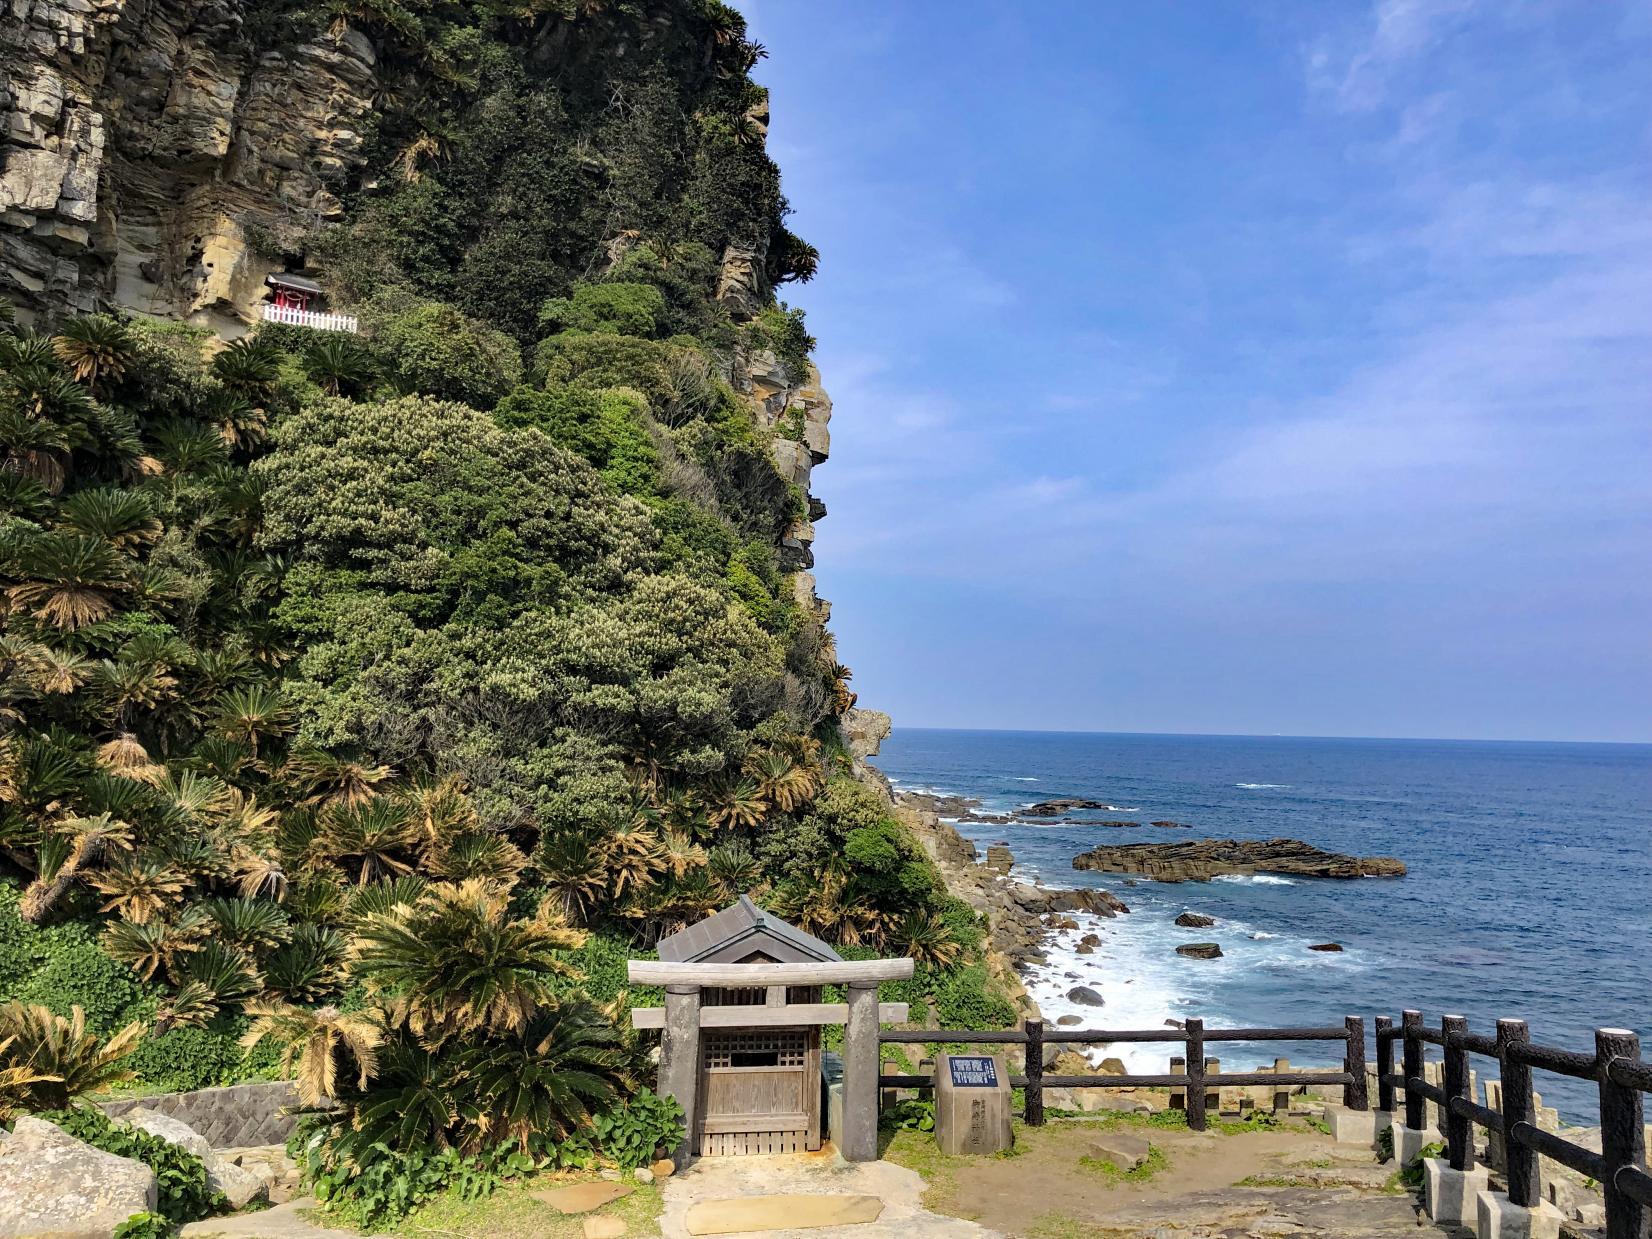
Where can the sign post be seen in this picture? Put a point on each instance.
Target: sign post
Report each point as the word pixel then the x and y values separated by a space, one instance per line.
pixel 972 1104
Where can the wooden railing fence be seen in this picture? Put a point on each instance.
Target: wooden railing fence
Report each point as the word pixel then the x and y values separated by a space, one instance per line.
pixel 1616 1068
pixel 1193 1036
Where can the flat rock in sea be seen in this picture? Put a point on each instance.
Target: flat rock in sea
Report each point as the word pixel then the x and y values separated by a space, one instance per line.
pixel 1326 946
pixel 1199 860
pixel 1060 805
pixel 1166 824
pixel 1084 996
pixel 1200 950
pixel 1195 920
pixel 1068 1021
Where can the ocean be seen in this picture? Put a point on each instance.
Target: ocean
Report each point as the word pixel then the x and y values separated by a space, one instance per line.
pixel 1529 891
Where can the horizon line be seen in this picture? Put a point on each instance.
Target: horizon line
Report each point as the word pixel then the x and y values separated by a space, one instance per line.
pixel 1243 735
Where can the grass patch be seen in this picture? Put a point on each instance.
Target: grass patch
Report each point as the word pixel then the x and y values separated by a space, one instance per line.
pixel 512 1213
pixel 1113 1173
pixel 1059 1226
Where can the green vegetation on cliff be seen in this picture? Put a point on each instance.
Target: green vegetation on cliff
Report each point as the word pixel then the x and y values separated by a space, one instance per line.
pixel 365 701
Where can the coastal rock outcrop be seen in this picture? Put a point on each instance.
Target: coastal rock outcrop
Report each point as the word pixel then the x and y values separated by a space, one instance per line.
pixel 52 1184
pixel 1195 920
pixel 1200 860
pixel 1063 804
pixel 1200 950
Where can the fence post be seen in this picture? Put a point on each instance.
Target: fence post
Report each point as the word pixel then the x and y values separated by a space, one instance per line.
pixel 1354 1094
pixel 1385 1064
pixel 1281 1092
pixel 1622 1136
pixel 1034 1071
pixel 1459 1131
pixel 1411 1023
pixel 1196 1075
pixel 1519 1158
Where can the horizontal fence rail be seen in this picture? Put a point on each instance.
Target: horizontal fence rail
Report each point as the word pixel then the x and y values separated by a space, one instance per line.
pixel 1616 1068
pixel 1194 1080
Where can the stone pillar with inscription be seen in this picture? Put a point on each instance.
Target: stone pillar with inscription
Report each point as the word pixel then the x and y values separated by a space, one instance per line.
pixel 972 1104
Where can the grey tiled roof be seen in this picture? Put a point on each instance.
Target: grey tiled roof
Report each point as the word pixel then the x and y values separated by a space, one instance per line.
pixel 740 930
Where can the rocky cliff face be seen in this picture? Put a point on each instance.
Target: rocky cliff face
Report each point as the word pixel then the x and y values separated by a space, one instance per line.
pixel 149 144
pixel 154 154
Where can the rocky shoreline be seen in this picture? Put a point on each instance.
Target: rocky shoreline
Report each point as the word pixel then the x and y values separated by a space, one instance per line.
pixel 1020 916
pixel 1055 812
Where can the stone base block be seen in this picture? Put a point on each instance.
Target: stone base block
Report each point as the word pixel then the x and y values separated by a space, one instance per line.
pixel 1409 1145
pixel 1451 1195
pixel 1500 1218
pixel 1352 1126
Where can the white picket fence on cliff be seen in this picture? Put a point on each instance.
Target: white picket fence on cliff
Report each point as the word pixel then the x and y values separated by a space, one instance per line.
pixel 308 318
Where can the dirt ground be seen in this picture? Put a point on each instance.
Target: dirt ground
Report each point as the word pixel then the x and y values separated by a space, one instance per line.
pixel 1237 1180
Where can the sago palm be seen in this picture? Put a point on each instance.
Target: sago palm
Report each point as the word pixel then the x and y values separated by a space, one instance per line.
pixel 17 1081
pixel 155 945
pixel 250 368
pixel 736 803
pixel 572 864
pixel 457 962
pixel 338 365
pixel 733 869
pixel 315 1041
pixel 926 938
pixel 138 887
pixel 71 1060
pixel 69 851
pixel 35 448
pixel 477 854
pixel 67 580
pixel 310 968
pixel 547 1077
pixel 123 518
pixel 249 925
pixel 96 348
pixel 370 841
pixel 253 714
pixel 782 782
pixel 328 780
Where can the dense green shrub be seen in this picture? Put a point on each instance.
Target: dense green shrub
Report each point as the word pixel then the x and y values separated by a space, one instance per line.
pixel 145 1225
pixel 182 1059
pixel 966 998
pixel 634 1132
pixel 623 308
pixel 430 348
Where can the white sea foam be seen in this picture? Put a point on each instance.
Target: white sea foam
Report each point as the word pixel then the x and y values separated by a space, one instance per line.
pixel 1260 786
pixel 1253 879
pixel 1025 778
pixel 1259 934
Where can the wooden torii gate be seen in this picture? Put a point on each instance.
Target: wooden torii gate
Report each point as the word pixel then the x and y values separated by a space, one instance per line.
pixel 734 981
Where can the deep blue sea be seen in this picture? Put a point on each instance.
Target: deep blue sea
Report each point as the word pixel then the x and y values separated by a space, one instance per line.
pixel 1529 892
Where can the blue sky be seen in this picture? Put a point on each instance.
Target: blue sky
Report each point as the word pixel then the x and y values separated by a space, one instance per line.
pixel 1222 367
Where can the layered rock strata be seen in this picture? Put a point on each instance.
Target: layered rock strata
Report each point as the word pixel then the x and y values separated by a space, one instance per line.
pixel 151 149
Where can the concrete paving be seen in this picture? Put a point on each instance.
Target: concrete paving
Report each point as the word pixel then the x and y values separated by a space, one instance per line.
pixel 825 1173
pixel 284 1221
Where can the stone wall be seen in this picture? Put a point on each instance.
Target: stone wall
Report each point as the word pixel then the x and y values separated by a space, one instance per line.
pixel 228 1118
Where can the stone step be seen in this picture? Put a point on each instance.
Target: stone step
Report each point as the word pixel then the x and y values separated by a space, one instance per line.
pixel 741 1215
